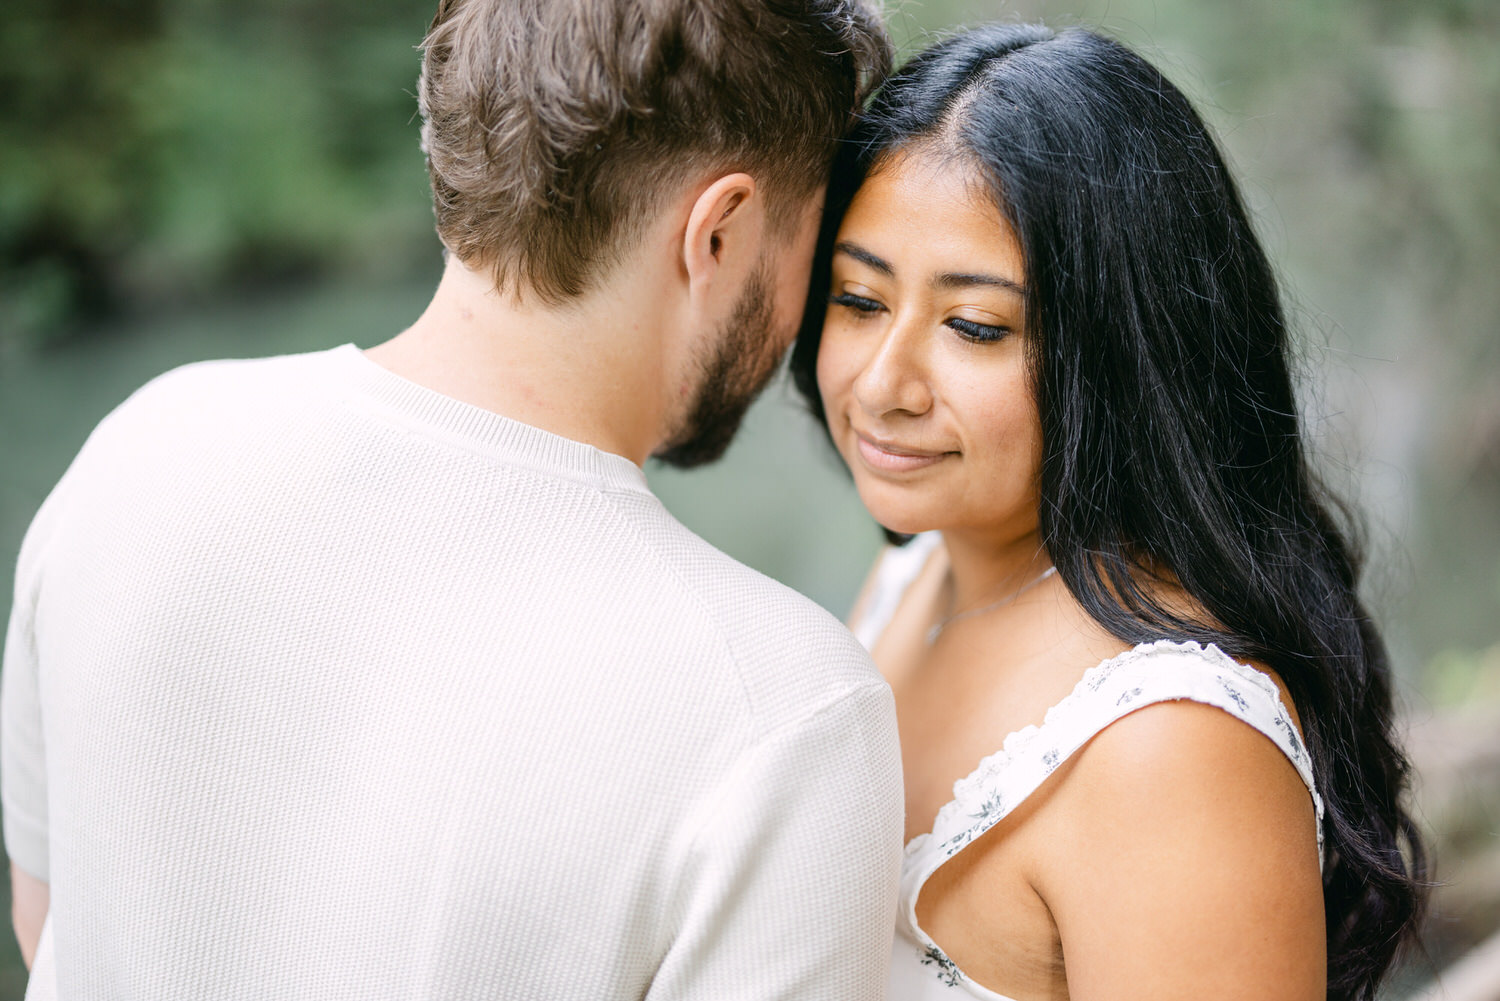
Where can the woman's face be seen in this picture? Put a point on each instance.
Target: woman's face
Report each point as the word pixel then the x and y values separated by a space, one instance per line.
pixel 922 365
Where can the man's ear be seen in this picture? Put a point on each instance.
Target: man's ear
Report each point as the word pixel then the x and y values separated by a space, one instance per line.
pixel 723 234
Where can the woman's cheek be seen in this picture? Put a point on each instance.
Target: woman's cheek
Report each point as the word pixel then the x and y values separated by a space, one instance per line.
pixel 832 359
pixel 1002 423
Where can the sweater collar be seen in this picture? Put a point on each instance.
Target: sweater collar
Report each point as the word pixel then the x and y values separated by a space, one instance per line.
pixel 478 429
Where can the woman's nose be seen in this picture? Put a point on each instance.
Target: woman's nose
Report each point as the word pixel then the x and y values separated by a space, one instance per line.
pixel 895 377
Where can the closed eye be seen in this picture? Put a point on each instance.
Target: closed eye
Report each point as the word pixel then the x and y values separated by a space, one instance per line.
pixel 855 302
pixel 982 333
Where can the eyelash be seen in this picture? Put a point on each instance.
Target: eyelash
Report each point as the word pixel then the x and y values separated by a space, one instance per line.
pixel 980 333
pixel 858 303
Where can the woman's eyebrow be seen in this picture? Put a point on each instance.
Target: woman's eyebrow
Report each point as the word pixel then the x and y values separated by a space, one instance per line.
pixel 865 257
pixel 957 280
pixel 947 280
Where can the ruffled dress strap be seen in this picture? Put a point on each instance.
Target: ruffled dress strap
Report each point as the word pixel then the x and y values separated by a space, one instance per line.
pixel 1150 673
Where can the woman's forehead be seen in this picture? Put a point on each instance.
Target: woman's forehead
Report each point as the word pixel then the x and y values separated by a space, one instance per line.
pixel 932 212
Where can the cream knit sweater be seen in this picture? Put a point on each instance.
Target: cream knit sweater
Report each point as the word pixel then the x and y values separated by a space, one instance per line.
pixel 322 685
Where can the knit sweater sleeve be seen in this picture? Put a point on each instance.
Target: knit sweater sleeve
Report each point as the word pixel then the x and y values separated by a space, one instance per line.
pixel 788 890
pixel 23 774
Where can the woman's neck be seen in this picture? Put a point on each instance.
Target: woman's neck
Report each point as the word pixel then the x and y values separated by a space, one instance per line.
pixel 985 568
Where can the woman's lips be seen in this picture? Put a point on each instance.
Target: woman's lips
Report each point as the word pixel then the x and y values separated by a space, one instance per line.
pixel 889 457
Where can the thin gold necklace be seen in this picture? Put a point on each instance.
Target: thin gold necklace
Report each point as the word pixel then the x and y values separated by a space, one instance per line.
pixel 937 630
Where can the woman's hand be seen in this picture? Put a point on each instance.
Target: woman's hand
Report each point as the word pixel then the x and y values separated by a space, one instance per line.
pixel 30 899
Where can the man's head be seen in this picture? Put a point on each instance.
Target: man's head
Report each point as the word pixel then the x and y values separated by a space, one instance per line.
pixel 555 129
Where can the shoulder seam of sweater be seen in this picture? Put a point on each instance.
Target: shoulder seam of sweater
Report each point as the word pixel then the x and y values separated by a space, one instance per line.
pixel 731 775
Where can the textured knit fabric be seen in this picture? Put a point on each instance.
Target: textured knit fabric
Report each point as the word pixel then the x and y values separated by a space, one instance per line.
pixel 1150 673
pixel 322 685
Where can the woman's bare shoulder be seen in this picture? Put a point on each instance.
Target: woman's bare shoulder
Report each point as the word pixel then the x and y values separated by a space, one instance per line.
pixel 1183 862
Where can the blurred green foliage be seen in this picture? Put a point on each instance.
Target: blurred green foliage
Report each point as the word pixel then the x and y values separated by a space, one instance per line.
pixel 155 149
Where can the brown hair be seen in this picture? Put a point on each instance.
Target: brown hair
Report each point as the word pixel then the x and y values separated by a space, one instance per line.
pixel 554 128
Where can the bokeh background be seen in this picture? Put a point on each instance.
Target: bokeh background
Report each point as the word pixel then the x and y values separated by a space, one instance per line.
pixel 186 179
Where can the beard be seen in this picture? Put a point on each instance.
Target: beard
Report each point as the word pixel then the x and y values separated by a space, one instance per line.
pixel 731 373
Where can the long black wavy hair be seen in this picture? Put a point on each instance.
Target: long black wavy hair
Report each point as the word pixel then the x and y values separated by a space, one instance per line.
pixel 1171 442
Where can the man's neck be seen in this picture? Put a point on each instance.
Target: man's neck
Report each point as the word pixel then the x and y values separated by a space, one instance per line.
pixel 596 370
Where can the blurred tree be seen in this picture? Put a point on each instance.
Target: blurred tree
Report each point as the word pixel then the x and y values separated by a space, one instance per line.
pixel 158 148
pixel 65 144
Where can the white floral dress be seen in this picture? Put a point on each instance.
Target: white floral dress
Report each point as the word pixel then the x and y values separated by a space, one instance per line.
pixel 1151 672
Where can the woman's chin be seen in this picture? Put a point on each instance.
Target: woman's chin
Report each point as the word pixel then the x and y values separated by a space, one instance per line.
pixel 901 519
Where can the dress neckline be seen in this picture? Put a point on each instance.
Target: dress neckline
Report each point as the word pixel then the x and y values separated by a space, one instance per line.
pixel 1017 741
pixel 1028 756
